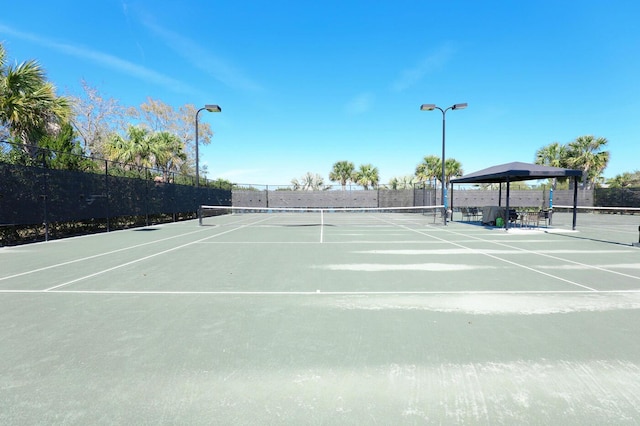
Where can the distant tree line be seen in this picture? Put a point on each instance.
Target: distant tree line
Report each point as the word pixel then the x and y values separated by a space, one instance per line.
pixel 162 137
pixel 33 116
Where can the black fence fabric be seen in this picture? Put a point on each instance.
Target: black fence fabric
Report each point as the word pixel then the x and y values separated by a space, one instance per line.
pixel 617 197
pixel 36 195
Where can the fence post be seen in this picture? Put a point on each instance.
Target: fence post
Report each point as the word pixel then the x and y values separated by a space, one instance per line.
pixel 44 202
pixel 147 177
pixel 106 189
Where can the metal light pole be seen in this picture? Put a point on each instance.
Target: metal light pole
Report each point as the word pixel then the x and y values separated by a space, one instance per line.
pixel 431 107
pixel 210 108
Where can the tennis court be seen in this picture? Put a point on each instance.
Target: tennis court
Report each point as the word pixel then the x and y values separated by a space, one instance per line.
pixel 307 318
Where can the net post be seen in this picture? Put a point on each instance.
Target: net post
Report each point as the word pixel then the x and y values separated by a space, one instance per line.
pixel 321 225
pixel 200 215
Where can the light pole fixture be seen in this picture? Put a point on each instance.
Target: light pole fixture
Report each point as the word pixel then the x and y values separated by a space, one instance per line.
pixel 210 108
pixel 431 107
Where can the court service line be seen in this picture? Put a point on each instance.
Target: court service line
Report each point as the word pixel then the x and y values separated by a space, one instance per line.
pixel 141 259
pixel 494 257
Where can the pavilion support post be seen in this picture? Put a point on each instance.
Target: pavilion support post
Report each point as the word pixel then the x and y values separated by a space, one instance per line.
pixel 451 200
pixel 506 212
pixel 575 201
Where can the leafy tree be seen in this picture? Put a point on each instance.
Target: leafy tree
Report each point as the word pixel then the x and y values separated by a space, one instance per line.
pixel 625 180
pixel 95 118
pixel 13 153
pixel 342 172
pixel 158 116
pixel 4 133
pixel 585 153
pixel 366 176
pixel 29 106
pixel 63 151
pixel 222 184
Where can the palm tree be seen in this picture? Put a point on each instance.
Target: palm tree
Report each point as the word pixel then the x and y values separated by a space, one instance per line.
pixel 366 176
pixel 403 182
pixel 429 169
pixel 394 183
pixel 309 182
pixel 342 172
pixel 29 107
pixel 162 150
pixel 553 155
pixel 135 149
pixel 586 153
pixel 452 168
pixel 167 152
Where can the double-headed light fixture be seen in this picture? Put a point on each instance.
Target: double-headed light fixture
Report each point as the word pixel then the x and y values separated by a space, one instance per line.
pixel 210 108
pixel 431 107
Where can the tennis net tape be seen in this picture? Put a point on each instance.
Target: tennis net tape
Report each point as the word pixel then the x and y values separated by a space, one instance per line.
pixel 361 216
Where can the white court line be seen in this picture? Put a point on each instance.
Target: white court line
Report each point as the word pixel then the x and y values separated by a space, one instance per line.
pixel 53 289
pixel 543 253
pixel 82 259
pixel 498 258
pixel 320 293
pixel 625 228
pixel 492 251
pixel 325 242
pixel 122 265
pixel 420 242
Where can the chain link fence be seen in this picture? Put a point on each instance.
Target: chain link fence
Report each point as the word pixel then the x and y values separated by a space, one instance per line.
pixel 39 201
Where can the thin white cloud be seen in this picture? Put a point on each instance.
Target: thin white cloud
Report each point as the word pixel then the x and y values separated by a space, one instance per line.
pixel 360 104
pixel 105 60
pixel 434 61
pixel 219 68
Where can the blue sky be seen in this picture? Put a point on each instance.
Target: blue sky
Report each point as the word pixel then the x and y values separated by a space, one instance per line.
pixel 304 84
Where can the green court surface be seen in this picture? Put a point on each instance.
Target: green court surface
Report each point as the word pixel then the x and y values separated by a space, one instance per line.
pixel 379 319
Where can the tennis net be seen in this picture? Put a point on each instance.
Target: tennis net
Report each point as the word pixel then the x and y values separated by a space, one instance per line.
pixel 360 216
pixel 608 224
pixel 599 210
